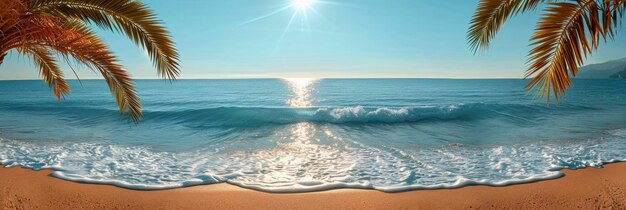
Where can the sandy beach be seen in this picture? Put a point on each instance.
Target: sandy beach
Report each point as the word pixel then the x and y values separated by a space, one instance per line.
pixel 589 188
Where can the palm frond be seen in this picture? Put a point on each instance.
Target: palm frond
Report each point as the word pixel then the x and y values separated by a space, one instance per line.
pixel 9 11
pixel 83 45
pixel 490 16
pixel 73 39
pixel 48 68
pixel 613 12
pixel 561 44
pixel 133 18
pixel 20 32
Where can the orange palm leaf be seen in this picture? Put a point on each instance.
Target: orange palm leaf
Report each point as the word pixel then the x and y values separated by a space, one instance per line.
pixel 42 28
pixel 560 46
pixel 489 17
pixel 133 18
pixel 567 33
pixel 48 68
pixel 37 35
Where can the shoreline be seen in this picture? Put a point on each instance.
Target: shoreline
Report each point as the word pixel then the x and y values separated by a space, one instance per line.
pixel 593 188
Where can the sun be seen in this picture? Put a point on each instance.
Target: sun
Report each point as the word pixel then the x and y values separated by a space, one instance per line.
pixel 302 4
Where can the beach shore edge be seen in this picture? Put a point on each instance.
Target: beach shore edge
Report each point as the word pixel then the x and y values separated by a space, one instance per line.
pixel 588 188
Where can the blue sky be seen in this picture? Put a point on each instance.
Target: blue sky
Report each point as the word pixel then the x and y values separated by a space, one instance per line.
pixel 336 38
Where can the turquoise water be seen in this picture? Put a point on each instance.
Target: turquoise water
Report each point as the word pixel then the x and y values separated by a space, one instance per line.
pixel 305 135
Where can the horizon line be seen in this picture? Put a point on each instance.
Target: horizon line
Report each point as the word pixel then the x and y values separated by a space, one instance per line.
pixel 252 78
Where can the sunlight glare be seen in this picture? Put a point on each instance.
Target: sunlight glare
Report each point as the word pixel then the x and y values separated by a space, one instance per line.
pixel 303 4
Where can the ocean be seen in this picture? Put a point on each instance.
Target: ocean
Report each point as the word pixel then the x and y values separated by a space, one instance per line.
pixel 300 135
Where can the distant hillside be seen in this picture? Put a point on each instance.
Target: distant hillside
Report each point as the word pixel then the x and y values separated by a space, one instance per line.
pixel 610 69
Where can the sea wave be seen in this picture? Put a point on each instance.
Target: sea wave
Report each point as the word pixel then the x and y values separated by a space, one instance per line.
pixel 261 116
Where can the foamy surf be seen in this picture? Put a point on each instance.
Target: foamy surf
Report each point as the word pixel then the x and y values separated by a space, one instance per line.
pixel 305 167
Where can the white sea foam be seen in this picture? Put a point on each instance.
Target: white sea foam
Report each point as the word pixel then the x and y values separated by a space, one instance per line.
pixel 307 157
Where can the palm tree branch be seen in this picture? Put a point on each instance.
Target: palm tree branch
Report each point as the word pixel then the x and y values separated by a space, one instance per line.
pixel 75 40
pixel 613 11
pixel 101 59
pixel 560 46
pixel 93 53
pixel 50 71
pixel 131 17
pixel 489 17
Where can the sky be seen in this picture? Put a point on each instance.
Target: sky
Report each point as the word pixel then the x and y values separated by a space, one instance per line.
pixel 326 39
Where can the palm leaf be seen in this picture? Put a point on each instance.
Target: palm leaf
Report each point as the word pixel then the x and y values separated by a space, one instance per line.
pixel 96 55
pixel 48 68
pixel 490 16
pixel 83 45
pixel 75 40
pixel 21 32
pixel 133 18
pixel 561 44
pixel 613 12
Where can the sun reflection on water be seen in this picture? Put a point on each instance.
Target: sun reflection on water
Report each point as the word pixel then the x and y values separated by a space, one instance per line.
pixel 302 89
pixel 306 156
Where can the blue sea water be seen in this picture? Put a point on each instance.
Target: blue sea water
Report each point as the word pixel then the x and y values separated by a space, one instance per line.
pixel 300 135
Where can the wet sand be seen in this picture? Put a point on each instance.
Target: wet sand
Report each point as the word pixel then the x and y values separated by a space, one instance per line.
pixel 589 188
